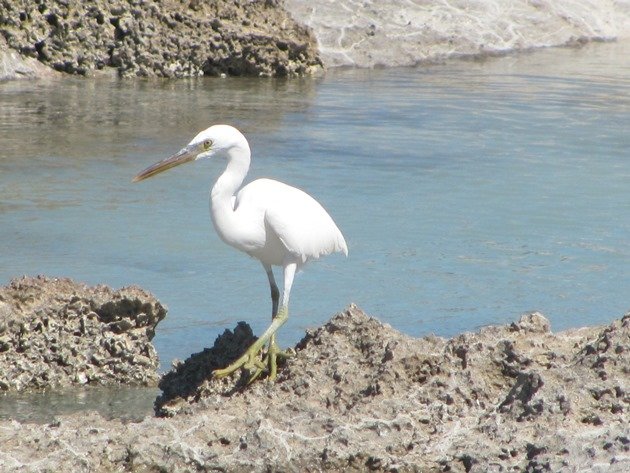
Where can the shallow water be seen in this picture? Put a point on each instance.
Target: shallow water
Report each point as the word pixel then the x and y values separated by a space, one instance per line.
pixel 469 193
pixel 406 33
pixel 125 403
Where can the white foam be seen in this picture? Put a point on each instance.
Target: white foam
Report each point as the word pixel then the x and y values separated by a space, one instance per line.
pixel 373 33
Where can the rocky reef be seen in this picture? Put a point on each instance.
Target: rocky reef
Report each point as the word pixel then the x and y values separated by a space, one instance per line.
pixel 360 396
pixel 56 333
pixel 152 38
pixel 186 38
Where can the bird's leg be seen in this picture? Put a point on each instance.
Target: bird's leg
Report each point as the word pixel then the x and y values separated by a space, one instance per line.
pixel 275 294
pixel 273 351
pixel 250 360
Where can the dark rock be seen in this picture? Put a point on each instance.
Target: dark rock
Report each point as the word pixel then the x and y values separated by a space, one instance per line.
pixel 187 382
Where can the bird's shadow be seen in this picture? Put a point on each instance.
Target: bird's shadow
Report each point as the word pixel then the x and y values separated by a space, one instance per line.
pixel 186 382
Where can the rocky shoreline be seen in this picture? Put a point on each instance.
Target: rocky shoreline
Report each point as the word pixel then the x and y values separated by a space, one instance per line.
pixel 56 333
pixel 358 395
pixel 280 38
pixel 152 38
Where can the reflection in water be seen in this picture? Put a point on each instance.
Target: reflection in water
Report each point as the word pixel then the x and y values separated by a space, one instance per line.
pixel 71 117
pixel 468 192
pixel 49 127
pixel 125 403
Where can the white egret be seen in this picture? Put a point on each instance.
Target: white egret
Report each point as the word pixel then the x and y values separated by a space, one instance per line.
pixel 273 222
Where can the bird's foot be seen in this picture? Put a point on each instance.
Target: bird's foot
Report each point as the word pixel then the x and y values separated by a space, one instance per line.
pixel 270 360
pixel 250 361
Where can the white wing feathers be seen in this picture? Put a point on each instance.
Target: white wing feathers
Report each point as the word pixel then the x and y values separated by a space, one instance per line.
pixel 306 231
pixel 298 220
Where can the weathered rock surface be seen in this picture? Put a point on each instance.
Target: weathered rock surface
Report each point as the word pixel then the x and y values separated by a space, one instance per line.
pixel 373 33
pixel 174 38
pixel 361 396
pixel 56 333
pixel 15 66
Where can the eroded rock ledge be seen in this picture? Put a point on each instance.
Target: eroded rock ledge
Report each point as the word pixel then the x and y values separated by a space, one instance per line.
pixel 56 333
pixel 361 396
pixel 148 38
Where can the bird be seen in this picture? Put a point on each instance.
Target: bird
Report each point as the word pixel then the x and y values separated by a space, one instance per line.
pixel 275 223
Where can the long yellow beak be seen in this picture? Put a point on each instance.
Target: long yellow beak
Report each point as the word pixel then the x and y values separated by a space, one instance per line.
pixel 183 156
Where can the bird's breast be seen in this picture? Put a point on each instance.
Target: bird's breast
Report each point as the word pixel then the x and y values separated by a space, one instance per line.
pixel 244 231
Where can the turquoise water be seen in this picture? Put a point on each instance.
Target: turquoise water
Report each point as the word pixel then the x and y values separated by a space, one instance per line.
pixel 469 193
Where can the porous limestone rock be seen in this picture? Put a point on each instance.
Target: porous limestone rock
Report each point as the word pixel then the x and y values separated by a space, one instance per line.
pixel 55 332
pixel 153 38
pixel 360 396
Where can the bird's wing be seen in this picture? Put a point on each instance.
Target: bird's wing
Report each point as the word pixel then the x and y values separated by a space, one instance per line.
pixel 302 224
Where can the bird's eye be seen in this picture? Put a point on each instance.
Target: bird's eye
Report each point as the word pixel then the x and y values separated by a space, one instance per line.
pixel 207 144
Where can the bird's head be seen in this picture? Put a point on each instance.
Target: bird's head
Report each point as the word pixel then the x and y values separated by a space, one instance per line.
pixel 217 140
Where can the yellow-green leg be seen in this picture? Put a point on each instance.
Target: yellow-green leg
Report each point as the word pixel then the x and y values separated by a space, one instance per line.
pixel 273 354
pixel 251 359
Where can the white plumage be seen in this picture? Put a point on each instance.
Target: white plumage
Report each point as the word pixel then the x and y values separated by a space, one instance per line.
pixel 273 222
pixel 289 223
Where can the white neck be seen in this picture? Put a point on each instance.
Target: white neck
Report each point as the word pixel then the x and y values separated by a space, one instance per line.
pixel 231 179
pixel 225 187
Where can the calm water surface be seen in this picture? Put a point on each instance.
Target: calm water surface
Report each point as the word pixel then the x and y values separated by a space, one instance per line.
pixel 469 193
